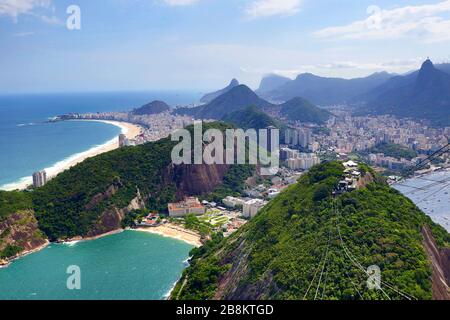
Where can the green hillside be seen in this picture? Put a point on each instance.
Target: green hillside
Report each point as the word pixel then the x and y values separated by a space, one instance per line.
pixel 305 235
pixel 299 109
pixel 231 101
pixel 251 118
pixel 72 203
pixel 13 201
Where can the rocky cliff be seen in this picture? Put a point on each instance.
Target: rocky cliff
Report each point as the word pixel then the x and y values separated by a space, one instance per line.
pixel 19 234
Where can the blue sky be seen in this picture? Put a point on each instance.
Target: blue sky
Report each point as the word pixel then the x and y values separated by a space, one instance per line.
pixel 202 44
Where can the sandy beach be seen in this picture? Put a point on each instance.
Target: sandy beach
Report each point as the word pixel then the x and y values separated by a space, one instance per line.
pixel 129 129
pixel 174 231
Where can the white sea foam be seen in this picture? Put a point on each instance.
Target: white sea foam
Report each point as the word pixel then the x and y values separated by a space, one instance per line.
pixel 167 295
pixel 71 243
pixel 65 164
pixel 26 124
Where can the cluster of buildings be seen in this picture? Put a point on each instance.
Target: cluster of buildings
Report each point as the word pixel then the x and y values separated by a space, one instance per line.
pixel 250 207
pixel 154 127
pixel 190 205
pixel 151 220
pixel 296 160
pixel 298 137
pixel 381 160
pixel 349 134
pixel 352 174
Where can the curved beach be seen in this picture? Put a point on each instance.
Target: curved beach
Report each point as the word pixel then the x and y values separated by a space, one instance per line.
pixel 129 129
pixel 173 231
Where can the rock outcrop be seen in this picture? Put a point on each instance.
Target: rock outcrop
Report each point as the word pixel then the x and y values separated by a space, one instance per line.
pixel 19 234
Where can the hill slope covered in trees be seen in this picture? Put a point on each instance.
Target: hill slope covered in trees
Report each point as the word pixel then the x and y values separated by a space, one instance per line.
pixel 308 245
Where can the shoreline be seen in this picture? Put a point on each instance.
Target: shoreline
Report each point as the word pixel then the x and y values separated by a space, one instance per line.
pixel 129 129
pixel 24 254
pixel 174 231
pixel 76 240
pixel 168 231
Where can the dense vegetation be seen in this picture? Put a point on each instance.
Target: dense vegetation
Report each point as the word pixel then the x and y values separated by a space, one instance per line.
pixel 154 107
pixel 251 118
pixel 282 251
pixel 299 109
pixel 11 202
pixel 233 182
pixel 394 150
pixel 64 206
pixel 71 204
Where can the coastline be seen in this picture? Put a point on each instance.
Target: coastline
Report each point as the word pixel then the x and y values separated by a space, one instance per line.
pixel 173 231
pixel 129 129
pixel 23 254
pixel 168 231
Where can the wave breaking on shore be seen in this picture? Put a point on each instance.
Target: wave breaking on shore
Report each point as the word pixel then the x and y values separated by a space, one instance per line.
pixel 65 164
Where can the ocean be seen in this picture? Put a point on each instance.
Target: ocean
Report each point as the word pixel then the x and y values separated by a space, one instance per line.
pixel 129 265
pixel 29 143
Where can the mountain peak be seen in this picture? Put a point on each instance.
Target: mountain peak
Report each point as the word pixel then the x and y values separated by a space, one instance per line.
pixel 272 82
pixel 207 98
pixel 427 74
pixel 234 83
pixel 153 107
pixel 427 65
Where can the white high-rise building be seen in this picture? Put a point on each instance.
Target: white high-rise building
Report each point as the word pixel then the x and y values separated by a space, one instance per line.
pixel 123 141
pixel 39 178
pixel 252 207
pixel 303 161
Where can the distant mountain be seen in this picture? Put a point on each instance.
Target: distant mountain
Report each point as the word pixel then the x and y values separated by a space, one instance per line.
pixel 251 118
pixel 271 82
pixel 235 99
pixel 443 67
pixel 299 109
pixel 154 107
pixel 211 96
pixel 424 94
pixel 326 91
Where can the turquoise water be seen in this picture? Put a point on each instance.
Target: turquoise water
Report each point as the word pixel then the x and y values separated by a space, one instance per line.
pixel 129 265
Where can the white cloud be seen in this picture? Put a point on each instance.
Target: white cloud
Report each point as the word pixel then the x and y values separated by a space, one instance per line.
pixel 265 8
pixel 14 8
pixel 425 22
pixel 180 2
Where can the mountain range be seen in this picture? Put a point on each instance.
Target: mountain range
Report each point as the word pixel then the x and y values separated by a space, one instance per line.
pixel 321 90
pixel 233 106
pixel 271 82
pixel 421 94
pixel 233 100
pixel 424 94
pixel 207 98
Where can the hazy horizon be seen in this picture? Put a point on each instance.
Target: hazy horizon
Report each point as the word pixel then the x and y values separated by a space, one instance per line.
pixel 200 45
